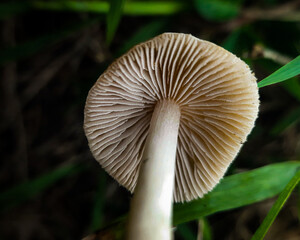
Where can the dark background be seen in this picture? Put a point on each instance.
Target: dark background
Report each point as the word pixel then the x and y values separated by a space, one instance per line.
pixel 51 187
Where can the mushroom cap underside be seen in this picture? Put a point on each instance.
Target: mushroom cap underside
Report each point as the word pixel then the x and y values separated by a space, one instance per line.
pixel 218 99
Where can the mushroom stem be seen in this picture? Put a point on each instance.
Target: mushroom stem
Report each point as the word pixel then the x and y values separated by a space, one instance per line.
pixel 151 206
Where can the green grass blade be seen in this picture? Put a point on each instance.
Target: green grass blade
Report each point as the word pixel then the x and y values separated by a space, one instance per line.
pixel 97 214
pixel 292 86
pixel 238 190
pixel 288 71
pixel 298 202
pixel 130 7
pixel 155 7
pixel 205 228
pixel 146 32
pixel 74 6
pixel 113 18
pixel 264 227
pixel 231 42
pixel 24 191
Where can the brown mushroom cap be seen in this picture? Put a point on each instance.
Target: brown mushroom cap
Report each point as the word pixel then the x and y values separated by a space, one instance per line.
pixel 218 99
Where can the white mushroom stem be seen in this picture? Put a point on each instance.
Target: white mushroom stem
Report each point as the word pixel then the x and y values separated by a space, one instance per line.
pixel 151 207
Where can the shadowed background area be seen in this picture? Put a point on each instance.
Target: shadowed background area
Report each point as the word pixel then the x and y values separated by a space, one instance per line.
pixel 51 54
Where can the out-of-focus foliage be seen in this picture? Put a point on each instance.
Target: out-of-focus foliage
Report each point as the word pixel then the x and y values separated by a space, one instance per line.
pixel 218 10
pixel 28 190
pixel 51 54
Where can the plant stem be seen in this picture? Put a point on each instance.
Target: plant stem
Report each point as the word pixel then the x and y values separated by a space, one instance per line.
pixel 151 206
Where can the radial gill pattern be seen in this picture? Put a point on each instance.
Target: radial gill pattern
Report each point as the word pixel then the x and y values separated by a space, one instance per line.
pixel 215 90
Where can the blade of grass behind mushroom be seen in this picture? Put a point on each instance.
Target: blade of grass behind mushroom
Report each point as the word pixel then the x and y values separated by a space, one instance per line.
pixel 147 31
pixel 97 213
pixel 113 18
pixel 28 190
pixel 264 227
pixel 130 8
pixel 204 230
pixel 241 40
pixel 231 41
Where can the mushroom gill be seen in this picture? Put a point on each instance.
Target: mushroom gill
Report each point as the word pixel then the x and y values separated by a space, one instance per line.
pixel 218 99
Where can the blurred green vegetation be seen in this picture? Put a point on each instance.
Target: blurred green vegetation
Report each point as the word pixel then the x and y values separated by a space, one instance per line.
pixel 266 34
pixel 27 190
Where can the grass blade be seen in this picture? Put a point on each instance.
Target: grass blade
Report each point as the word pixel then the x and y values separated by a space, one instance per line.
pixel 264 227
pixel 204 229
pixel 231 42
pixel 155 7
pixel 288 71
pixel 238 190
pixel 130 7
pixel 24 191
pixel 74 6
pixel 146 32
pixel 298 201
pixel 97 214
pixel 113 18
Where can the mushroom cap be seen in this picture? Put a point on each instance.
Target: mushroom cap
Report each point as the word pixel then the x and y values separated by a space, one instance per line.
pixel 218 99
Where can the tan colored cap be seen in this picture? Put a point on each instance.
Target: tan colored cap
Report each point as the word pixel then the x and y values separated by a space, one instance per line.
pixel 218 99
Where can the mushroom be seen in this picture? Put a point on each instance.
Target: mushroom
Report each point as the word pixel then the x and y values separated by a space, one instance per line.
pixel 165 120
